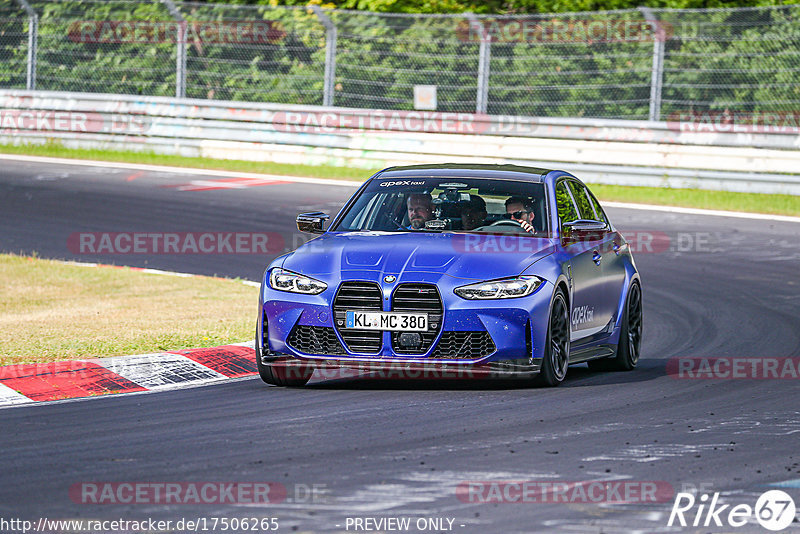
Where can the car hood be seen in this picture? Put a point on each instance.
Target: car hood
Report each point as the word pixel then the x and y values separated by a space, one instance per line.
pixel 469 256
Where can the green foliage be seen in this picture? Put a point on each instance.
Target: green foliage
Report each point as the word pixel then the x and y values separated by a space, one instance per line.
pixel 287 69
pixel 516 6
pixel 13 45
pixel 66 62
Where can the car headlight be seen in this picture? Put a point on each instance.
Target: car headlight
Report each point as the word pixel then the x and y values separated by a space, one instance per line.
pixel 283 280
pixel 520 286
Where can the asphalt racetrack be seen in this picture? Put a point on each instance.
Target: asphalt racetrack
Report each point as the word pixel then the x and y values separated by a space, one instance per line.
pixel 714 287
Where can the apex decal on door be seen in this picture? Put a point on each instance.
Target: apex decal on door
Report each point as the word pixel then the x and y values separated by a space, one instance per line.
pixel 582 315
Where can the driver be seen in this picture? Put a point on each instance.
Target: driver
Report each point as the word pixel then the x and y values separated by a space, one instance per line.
pixel 420 210
pixel 521 210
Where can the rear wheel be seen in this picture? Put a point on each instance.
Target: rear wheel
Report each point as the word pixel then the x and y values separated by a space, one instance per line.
pixel 280 373
pixel 630 336
pixel 556 354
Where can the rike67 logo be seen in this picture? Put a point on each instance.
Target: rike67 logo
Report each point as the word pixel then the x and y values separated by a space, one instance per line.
pixel 774 510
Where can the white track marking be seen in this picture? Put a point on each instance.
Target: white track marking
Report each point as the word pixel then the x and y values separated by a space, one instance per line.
pixel 180 170
pixel 168 273
pixel 154 271
pixel 795 483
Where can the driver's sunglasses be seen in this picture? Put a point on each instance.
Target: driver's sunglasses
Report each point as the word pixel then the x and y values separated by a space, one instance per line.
pixel 518 214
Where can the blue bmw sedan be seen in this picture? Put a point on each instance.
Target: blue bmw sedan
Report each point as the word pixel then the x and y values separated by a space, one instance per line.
pixel 501 270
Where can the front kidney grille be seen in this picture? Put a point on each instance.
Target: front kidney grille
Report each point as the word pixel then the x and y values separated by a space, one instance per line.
pixel 423 298
pixel 358 296
pixel 315 340
pixel 464 346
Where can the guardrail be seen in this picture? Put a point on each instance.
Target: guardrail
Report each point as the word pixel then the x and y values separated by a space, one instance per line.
pixel 693 153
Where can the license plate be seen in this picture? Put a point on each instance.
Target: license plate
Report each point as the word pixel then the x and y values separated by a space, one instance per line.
pixel 393 321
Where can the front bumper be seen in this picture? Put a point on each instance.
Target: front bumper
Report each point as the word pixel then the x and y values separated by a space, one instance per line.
pixel 330 368
pixel 471 333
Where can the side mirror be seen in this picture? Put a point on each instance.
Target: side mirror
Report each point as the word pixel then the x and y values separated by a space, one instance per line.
pixel 584 230
pixel 585 225
pixel 312 222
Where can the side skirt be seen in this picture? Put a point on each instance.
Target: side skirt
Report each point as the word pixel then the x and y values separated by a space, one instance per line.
pixel 592 353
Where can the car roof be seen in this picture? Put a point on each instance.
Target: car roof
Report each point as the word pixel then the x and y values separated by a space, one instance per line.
pixel 465 170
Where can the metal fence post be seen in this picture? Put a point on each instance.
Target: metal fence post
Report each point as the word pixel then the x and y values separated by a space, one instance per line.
pixel 657 73
pixel 180 56
pixel 33 43
pixel 484 58
pixel 330 56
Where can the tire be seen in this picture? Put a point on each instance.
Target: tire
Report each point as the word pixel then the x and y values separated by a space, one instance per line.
pixel 556 354
pixel 283 374
pixel 630 336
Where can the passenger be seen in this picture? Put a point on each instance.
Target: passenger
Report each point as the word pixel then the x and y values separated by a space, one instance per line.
pixel 473 213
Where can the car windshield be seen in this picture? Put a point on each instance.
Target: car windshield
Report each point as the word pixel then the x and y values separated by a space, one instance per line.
pixel 447 204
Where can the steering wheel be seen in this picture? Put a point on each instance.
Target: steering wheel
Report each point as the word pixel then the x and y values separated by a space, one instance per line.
pixel 388 218
pixel 506 222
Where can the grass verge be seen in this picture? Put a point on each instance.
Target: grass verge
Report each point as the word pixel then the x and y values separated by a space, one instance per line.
pixel 51 311
pixel 701 198
pixel 691 198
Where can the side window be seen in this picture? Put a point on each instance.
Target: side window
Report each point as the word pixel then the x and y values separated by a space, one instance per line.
pixel 566 208
pixel 582 199
pixel 598 209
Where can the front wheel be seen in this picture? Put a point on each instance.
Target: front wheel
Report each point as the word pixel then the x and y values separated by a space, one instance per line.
pixel 556 354
pixel 280 373
pixel 630 336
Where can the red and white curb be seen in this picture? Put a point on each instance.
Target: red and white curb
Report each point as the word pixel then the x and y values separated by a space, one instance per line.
pixel 54 381
pixel 42 382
